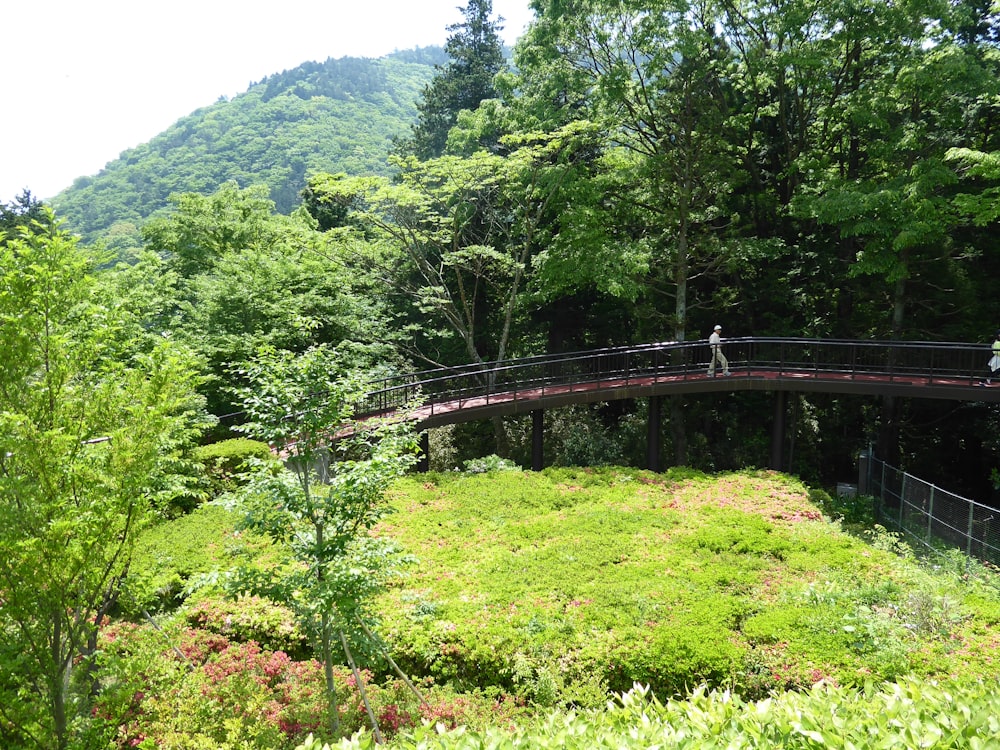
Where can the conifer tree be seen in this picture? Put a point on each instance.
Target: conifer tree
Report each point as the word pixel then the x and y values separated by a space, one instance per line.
pixel 476 54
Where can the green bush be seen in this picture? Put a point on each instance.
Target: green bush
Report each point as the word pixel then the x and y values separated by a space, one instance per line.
pixel 181 688
pixel 855 511
pixel 678 659
pixel 557 588
pixel 618 575
pixel 487 464
pixel 225 462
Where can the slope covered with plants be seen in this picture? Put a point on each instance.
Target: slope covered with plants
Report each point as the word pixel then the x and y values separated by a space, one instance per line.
pixel 556 590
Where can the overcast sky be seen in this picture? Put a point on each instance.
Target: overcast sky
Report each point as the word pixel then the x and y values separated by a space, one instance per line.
pixel 84 80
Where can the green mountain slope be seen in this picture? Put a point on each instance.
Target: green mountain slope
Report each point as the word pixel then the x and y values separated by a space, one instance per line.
pixel 336 116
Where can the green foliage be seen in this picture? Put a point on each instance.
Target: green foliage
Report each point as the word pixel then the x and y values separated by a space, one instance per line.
pixel 25 211
pixel 487 464
pixel 559 588
pixel 90 448
pixel 904 714
pixel 562 585
pixel 227 461
pixel 983 168
pixel 476 56
pixel 245 277
pixel 178 687
pixel 177 557
pixel 455 236
pixel 322 510
pixel 182 688
pixel 854 510
pixel 250 618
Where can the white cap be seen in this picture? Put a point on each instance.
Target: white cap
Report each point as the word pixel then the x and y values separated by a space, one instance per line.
pixel 718 328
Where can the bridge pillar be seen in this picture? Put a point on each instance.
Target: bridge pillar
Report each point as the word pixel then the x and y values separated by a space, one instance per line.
pixel 424 461
pixel 537 435
pixel 778 431
pixel 865 472
pixel 653 434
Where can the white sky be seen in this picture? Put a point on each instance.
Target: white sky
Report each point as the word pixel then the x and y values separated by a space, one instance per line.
pixel 85 80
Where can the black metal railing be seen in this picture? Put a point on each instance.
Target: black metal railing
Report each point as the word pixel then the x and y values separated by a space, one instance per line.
pixel 530 377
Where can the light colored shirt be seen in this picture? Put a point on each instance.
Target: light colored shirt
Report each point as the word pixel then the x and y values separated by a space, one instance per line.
pixel 715 339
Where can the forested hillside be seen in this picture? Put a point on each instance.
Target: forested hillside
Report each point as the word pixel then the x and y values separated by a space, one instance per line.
pixel 336 116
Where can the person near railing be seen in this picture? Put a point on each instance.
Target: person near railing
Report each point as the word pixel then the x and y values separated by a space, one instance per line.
pixel 994 364
pixel 715 344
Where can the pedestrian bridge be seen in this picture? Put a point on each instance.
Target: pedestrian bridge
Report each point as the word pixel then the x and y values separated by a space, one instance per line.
pixel 944 370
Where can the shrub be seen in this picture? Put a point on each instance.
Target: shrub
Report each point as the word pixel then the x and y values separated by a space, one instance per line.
pixel 250 618
pixel 226 460
pixel 904 714
pixel 854 511
pixel 489 463
pixel 185 688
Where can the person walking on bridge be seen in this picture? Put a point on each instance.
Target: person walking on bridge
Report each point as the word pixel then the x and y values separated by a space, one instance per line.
pixel 715 344
pixel 994 363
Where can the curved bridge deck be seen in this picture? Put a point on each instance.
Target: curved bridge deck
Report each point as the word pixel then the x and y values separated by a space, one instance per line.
pixel 921 370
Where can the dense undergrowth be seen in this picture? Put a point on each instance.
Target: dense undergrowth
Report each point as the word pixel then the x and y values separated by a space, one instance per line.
pixel 554 591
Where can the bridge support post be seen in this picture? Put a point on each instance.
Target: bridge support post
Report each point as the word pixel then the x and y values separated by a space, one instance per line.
pixel 537 436
pixel 424 462
pixel 778 431
pixel 653 434
pixel 865 472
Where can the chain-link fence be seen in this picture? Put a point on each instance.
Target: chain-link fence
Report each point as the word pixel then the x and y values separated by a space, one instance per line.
pixel 928 514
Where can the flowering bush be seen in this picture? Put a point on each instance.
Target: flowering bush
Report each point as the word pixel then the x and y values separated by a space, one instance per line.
pixel 250 618
pixel 187 686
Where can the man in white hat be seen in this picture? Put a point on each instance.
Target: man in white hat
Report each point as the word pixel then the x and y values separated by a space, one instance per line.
pixel 715 344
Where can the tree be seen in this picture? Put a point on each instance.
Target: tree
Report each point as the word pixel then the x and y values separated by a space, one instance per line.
pixel 202 228
pixel 88 448
pixel 458 236
pixel 476 54
pixel 323 508
pixel 903 96
pixel 24 211
pixel 247 277
pixel 655 83
pixel 982 171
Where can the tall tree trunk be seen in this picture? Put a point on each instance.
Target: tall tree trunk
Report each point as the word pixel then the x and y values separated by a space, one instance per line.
pixel 678 432
pixel 327 649
pixel 60 682
pixel 887 445
pixel 361 688
pixel 501 437
pixel 331 688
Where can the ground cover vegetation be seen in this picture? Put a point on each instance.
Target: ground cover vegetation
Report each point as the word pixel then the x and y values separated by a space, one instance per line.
pixel 785 167
pixel 533 598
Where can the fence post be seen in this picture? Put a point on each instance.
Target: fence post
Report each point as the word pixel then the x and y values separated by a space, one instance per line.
pixel 930 514
pixel 902 495
pixel 968 544
pixel 881 489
